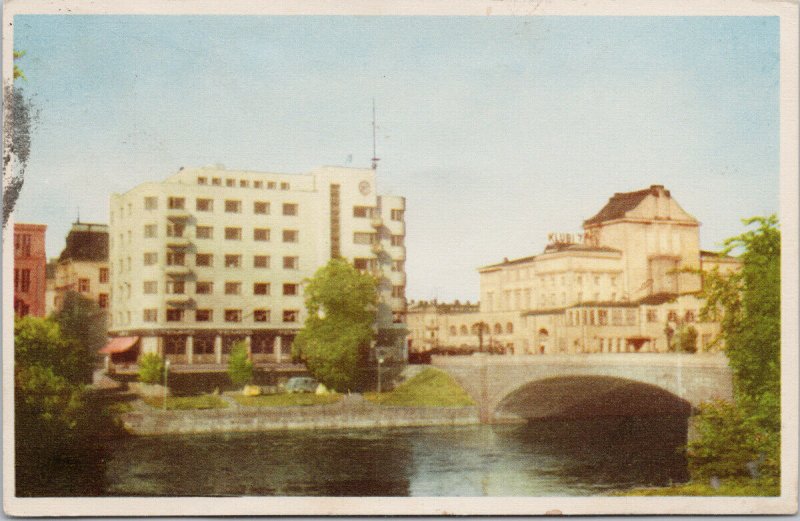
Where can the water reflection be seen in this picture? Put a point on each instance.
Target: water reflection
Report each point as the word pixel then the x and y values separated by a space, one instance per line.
pixel 557 457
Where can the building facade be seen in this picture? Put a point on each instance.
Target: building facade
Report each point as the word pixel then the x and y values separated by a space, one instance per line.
pixel 29 269
pixel 629 282
pixel 211 256
pixel 444 327
pixel 83 265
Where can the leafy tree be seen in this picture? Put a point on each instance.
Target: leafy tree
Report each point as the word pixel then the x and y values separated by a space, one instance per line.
pixel 151 368
pixel 83 322
pixel 240 368
pixel 18 119
pixel 747 304
pixel 335 340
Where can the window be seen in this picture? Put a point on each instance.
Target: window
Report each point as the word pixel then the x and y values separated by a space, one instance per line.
pixel 202 180
pixel 284 186
pixel 150 315
pixel 203 315
pixel 204 232
pixel 102 300
pixel 258 184
pixel 398 291
pixel 290 315
pixel 261 261
pixel 233 315
pixel 672 316
pixel 290 235
pixel 216 181
pixel 261 207
pixel 652 315
pixel 464 331
pixel 150 203
pixel 150 231
pixel 398 265
pixel 397 215
pixel 233 234
pixel 271 185
pixel 204 259
pixel 233 261
pixel 243 183
pixel 498 329
pixel 174 315
pixel 22 245
pixel 261 315
pixel 361 264
pixel 291 263
pixel 290 289
pixel 83 284
pixel 176 258
pixel 689 316
pixel 176 203
pixel 261 288
pixel 289 209
pixel 616 317
pixel 602 317
pixel 232 206
pixel 233 288
pixel 103 276
pixel 397 240
pixel 175 229
pixel 364 238
pixel 150 287
pixel 630 316
pixel 205 205
pixel 22 280
pixel 176 287
pixel 261 234
pixel 230 182
pixel 204 287
pixel 362 211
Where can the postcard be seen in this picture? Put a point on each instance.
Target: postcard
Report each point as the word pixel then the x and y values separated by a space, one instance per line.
pixel 471 257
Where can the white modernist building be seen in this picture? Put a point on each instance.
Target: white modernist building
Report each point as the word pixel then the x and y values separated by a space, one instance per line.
pixel 210 256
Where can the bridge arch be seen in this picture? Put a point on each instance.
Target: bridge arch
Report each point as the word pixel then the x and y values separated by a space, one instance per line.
pixel 587 395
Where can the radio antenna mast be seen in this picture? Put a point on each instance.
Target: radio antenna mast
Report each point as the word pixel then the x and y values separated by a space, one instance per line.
pixel 375 158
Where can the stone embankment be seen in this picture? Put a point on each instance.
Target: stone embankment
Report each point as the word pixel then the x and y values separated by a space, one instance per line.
pixel 351 412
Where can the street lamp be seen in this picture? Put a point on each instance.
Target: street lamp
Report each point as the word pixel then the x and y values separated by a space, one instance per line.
pixel 166 373
pixel 380 361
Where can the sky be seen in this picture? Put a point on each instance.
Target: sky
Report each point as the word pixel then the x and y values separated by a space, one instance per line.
pixel 497 130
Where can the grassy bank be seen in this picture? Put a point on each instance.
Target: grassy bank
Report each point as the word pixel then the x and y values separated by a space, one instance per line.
pixel 430 388
pixel 184 403
pixel 286 399
pixel 728 487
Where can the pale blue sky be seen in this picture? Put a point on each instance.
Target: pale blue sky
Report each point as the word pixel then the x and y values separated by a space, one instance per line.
pixel 496 129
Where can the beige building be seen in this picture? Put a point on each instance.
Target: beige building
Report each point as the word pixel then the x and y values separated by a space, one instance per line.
pixel 619 286
pixel 210 256
pixel 437 326
pixel 83 266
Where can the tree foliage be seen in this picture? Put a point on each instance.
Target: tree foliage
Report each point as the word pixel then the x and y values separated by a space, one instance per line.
pixel 82 322
pixel 151 368
pixel 335 340
pixel 240 368
pixel 747 304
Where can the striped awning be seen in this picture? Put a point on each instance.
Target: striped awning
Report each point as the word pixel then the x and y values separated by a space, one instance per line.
pixel 119 344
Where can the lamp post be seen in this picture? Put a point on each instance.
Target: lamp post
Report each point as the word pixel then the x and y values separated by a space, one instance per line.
pixel 380 361
pixel 166 373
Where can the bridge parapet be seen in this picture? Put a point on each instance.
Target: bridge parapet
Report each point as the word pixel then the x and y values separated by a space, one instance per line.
pixel 489 379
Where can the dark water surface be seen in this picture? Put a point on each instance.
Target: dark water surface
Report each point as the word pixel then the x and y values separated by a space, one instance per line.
pixel 557 457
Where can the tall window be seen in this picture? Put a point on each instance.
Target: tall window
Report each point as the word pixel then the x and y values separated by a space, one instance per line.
pixel 290 209
pixel 102 300
pixel 397 215
pixel 175 229
pixel 83 285
pixel 176 258
pixel 290 235
pixel 22 280
pixel 103 276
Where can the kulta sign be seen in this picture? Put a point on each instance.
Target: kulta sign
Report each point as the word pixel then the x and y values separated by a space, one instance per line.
pixel 586 238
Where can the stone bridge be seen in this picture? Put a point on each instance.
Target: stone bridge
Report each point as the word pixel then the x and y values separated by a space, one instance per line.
pixel 511 388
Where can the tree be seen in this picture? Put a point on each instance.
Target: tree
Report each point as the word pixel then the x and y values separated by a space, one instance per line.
pixel 334 342
pixel 83 322
pixel 747 305
pixel 240 368
pixel 151 368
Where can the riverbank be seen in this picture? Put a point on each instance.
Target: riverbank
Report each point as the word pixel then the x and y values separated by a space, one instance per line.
pixel 351 412
pixel 764 487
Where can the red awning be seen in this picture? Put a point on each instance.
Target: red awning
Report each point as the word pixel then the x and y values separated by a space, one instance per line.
pixel 119 344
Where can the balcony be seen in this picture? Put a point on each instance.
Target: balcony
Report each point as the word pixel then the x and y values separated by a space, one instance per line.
pixel 178 242
pixel 181 301
pixel 377 222
pixel 178 214
pixel 177 271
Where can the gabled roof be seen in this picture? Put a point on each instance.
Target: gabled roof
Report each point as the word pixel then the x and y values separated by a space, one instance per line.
pixel 622 203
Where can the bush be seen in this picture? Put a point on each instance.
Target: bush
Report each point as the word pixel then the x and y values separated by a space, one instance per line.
pixel 151 369
pixel 240 368
pixel 687 339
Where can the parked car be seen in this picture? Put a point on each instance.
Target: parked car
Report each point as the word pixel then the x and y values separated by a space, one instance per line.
pixel 301 384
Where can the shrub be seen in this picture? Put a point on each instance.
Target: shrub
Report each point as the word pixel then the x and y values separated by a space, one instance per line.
pixel 151 369
pixel 687 339
pixel 240 368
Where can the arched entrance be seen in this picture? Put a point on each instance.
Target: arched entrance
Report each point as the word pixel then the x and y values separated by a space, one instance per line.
pixel 542 342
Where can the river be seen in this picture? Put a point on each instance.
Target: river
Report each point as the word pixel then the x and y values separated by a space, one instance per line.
pixel 545 458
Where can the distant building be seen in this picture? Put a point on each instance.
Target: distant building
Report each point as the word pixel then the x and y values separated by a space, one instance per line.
pixel 83 265
pixel 436 326
pixel 210 256
pixel 29 269
pixel 625 284
pixel 50 293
